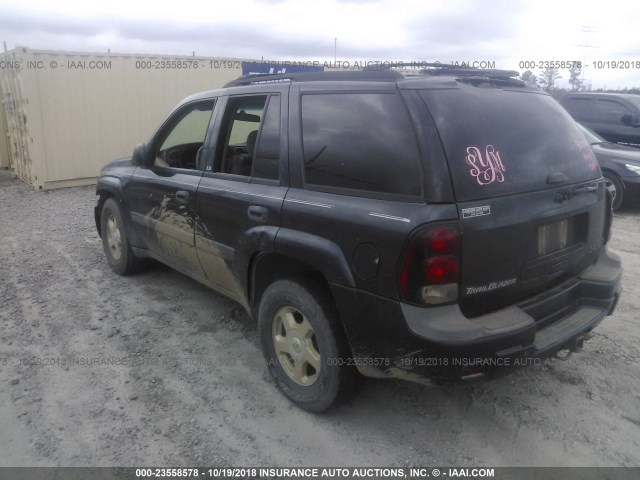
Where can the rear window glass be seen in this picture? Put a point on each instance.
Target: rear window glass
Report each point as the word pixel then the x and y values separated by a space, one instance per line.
pixel 359 141
pixel 500 142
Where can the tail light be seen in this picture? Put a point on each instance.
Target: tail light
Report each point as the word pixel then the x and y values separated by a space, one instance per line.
pixel 431 266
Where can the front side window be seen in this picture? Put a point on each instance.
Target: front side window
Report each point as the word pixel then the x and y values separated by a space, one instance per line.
pixel 610 111
pixel 359 141
pixel 179 144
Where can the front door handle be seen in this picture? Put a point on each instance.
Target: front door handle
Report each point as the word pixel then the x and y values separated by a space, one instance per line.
pixel 182 196
pixel 257 213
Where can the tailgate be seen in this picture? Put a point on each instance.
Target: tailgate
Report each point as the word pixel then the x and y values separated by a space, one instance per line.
pixel 519 245
pixel 528 187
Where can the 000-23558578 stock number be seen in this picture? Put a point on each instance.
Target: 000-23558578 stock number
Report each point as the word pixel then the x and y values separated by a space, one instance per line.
pixel 187 64
pixel 549 64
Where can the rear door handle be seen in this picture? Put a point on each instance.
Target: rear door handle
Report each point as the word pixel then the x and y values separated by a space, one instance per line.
pixel 182 196
pixel 257 213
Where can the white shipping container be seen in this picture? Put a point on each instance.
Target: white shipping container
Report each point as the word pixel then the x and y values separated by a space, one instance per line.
pixel 5 162
pixel 66 114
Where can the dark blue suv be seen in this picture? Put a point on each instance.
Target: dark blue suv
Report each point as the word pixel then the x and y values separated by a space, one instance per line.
pixel 433 228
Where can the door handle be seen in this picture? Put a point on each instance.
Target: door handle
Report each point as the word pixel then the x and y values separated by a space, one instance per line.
pixel 588 188
pixel 257 213
pixel 182 196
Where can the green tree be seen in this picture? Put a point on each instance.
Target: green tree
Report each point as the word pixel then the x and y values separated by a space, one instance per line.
pixel 575 72
pixel 548 78
pixel 529 78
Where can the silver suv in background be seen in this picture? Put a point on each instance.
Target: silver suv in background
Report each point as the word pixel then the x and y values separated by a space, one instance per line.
pixel 616 117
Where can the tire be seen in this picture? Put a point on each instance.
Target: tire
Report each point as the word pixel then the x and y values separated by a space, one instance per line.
pixel 116 245
pixel 311 364
pixel 614 185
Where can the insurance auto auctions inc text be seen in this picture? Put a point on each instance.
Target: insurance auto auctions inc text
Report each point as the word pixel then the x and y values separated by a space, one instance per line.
pixel 371 472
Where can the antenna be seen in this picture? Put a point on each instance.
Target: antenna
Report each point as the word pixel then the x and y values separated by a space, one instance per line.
pixel 587 32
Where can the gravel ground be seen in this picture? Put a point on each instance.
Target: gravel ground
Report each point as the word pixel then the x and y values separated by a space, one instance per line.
pixel 166 372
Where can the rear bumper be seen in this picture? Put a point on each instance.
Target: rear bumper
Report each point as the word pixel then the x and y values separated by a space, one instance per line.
pixel 397 340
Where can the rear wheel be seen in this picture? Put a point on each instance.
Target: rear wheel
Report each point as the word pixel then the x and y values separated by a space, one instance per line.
pixel 304 345
pixel 614 185
pixel 116 245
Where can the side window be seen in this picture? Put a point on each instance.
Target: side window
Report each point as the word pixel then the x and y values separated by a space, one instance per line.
pixel 265 163
pixel 239 134
pixel 362 141
pixel 579 108
pixel 610 111
pixel 180 143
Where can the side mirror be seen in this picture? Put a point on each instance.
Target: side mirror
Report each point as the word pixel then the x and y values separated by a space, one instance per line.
pixel 630 120
pixel 139 153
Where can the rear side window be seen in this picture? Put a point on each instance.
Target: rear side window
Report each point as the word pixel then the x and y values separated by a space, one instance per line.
pixel 578 108
pixel 500 142
pixel 265 164
pixel 359 141
pixel 249 141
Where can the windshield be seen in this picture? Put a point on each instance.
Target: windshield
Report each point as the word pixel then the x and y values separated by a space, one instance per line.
pixel 500 142
pixel 592 137
pixel 635 99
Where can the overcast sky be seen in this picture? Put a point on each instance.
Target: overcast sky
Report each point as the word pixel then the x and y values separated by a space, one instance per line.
pixel 506 32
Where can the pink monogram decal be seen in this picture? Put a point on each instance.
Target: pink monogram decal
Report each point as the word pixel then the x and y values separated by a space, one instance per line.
pixel 585 150
pixel 487 169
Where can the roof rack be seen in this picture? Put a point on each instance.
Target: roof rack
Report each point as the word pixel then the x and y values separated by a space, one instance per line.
pixel 353 75
pixel 444 69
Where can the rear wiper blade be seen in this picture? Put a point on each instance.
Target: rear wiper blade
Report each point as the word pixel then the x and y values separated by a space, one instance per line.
pixel 568 194
pixel 586 188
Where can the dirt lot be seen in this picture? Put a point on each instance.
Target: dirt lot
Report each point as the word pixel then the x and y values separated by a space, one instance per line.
pixel 168 373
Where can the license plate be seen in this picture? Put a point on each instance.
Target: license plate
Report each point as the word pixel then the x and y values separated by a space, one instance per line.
pixel 553 237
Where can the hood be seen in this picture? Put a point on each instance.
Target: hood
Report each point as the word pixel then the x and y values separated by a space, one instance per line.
pixel 615 152
pixel 122 162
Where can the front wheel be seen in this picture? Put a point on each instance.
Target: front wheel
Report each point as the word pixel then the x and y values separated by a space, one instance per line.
pixel 116 245
pixel 304 345
pixel 614 185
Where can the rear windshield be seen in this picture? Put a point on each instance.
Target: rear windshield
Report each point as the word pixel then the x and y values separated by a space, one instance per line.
pixel 500 142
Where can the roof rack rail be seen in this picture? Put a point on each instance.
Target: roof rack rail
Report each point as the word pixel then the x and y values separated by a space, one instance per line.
pixel 353 75
pixel 444 69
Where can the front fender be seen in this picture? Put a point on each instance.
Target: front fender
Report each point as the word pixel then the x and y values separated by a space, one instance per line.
pixel 107 187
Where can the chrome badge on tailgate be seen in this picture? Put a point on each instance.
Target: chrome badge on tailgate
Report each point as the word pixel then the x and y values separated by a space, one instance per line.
pixel 476 211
